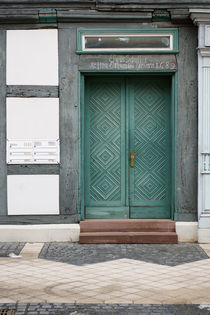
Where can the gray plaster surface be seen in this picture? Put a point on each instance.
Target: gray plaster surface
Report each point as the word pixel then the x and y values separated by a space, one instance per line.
pixel 163 254
pixel 105 309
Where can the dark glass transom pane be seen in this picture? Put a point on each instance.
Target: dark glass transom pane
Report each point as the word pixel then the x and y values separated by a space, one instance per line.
pixel 127 42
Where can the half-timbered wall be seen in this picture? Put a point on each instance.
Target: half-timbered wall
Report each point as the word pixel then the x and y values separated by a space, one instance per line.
pixel 43 95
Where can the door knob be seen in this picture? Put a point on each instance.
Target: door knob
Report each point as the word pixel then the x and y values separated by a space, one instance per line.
pixel 132 159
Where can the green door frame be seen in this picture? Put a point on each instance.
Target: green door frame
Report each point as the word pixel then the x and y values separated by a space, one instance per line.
pixel 81 98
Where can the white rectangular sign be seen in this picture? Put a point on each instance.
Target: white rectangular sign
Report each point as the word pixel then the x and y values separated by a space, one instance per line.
pixel 33 151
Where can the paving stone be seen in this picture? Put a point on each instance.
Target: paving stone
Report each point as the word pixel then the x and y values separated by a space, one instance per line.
pixel 111 309
pixel 163 254
pixel 7 247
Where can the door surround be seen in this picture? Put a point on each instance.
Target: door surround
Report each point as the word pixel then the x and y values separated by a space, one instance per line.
pixel 82 77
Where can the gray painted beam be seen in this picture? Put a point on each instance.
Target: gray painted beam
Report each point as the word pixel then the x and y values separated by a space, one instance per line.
pixel 70 16
pixel 32 91
pixel 3 171
pixel 69 2
pixel 155 2
pixel 29 2
pixel 14 18
pixel 68 69
pixel 187 125
pixel 19 12
pixel 32 169
pixel 33 219
pixel 24 26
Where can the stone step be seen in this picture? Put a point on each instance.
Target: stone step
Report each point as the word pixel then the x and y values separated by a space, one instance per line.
pixel 127 225
pixel 128 238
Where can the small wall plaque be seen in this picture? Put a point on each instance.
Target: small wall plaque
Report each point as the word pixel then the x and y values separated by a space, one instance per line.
pixel 33 151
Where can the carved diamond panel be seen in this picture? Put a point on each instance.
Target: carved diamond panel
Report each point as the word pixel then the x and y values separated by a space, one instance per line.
pixel 105 141
pixel 151 144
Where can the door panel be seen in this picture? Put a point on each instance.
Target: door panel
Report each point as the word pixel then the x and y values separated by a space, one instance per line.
pixel 105 148
pixel 124 115
pixel 150 142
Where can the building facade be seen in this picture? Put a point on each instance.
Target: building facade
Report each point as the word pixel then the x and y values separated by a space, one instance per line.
pixel 105 113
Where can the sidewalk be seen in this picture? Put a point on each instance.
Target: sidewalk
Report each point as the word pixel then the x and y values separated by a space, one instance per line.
pixel 136 275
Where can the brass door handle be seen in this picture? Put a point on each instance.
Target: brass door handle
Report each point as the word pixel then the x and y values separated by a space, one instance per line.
pixel 132 159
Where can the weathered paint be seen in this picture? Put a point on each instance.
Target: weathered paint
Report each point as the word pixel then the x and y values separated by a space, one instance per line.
pixel 32 91
pixel 127 62
pixel 37 219
pixel 187 129
pixel 98 11
pixel 3 170
pixel 68 122
pixel 32 169
pixel 68 91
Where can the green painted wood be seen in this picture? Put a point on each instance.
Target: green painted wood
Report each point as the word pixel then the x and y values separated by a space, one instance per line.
pixel 150 140
pixel 124 115
pixel 174 101
pixel 149 212
pixel 105 146
pixel 81 141
pixel 107 212
pixel 118 31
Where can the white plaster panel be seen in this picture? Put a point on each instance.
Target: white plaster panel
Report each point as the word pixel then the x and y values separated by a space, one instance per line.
pixel 206 62
pixel 32 194
pixel 206 109
pixel 206 195
pixel 201 17
pixel 32 118
pixel 201 35
pixel 32 57
pixel 207 35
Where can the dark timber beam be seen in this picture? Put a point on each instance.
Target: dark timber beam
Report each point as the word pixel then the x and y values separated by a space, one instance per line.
pixel 37 219
pixel 30 169
pixel 32 91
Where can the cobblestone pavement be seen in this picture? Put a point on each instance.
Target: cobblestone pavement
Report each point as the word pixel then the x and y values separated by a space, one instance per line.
pixel 163 254
pixel 114 281
pixel 7 248
pixel 99 309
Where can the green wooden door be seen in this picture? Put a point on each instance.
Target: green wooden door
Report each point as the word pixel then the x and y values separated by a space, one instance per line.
pixel 150 140
pixel 124 115
pixel 105 162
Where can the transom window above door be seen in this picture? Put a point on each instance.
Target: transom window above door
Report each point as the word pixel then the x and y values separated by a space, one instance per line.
pixel 127 41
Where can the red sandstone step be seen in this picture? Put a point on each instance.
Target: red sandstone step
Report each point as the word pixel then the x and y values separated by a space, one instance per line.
pixel 128 238
pixel 127 225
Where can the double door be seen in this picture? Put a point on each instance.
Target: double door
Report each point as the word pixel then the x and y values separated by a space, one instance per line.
pixel 127 147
